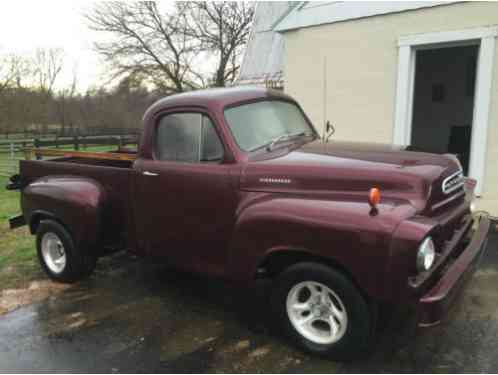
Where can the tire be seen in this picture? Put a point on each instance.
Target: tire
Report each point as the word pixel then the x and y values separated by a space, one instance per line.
pixel 347 337
pixel 59 257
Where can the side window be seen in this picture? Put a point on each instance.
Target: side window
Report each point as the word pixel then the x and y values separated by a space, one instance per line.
pixel 188 138
pixel 211 149
pixel 178 137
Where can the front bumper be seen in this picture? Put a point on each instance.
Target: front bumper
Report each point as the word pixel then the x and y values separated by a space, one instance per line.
pixel 433 305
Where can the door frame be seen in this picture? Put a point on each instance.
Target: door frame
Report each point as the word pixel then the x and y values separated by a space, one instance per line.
pixel 484 37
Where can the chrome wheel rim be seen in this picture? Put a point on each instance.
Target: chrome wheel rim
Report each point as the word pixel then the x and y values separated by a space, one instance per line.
pixel 53 252
pixel 317 312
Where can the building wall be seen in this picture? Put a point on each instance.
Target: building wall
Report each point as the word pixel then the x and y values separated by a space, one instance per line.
pixel 359 60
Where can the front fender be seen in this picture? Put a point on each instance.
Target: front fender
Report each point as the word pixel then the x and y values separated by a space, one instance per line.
pixel 345 231
pixel 76 202
pixel 402 261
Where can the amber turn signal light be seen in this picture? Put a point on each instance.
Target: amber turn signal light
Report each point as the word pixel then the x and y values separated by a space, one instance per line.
pixel 374 197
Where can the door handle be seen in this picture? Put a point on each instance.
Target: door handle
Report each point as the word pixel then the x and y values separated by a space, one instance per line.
pixel 147 173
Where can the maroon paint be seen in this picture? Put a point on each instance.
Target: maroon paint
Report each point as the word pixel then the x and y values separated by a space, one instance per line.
pixel 227 220
pixel 115 216
pixel 61 197
pixel 434 303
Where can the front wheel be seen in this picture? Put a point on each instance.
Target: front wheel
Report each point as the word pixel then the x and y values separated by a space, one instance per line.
pixel 58 256
pixel 322 311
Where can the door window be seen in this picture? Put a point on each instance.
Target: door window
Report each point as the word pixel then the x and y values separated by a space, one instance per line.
pixel 188 138
pixel 211 147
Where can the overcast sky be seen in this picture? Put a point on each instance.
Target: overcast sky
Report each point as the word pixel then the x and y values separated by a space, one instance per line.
pixel 26 25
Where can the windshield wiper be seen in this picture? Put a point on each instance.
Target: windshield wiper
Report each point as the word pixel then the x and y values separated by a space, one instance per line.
pixel 283 137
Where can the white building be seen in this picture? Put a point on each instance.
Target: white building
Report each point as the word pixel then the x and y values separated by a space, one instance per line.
pixel 413 73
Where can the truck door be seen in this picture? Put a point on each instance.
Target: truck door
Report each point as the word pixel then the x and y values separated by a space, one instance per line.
pixel 185 203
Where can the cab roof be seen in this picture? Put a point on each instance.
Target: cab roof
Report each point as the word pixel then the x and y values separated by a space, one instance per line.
pixel 216 98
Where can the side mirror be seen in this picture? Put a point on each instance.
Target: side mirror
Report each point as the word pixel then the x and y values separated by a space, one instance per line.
pixel 329 131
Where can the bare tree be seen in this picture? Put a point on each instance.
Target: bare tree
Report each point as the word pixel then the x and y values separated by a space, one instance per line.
pixel 48 64
pixel 12 68
pixel 222 28
pixel 7 73
pixel 145 41
pixel 64 103
pixel 171 49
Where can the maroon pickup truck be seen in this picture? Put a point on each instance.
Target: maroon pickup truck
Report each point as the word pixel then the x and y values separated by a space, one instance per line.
pixel 236 183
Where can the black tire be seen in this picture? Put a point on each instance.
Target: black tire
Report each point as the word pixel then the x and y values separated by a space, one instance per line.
pixel 79 263
pixel 358 329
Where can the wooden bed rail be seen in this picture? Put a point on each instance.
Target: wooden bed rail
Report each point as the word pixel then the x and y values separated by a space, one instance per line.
pixel 38 152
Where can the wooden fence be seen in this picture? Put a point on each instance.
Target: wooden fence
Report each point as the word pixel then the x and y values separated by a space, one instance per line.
pixel 69 132
pixel 11 151
pixel 9 164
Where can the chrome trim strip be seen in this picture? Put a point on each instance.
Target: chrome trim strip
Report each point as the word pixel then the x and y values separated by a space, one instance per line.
pixel 447 200
pixel 447 190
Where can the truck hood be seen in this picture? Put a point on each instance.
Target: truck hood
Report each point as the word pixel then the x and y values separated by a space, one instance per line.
pixel 352 169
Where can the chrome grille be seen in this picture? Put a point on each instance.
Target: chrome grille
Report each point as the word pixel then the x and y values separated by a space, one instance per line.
pixel 453 182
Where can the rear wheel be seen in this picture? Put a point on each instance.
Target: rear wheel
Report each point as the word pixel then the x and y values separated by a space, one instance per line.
pixel 58 256
pixel 322 311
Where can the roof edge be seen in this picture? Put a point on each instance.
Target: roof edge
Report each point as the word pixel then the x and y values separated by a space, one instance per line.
pixel 295 19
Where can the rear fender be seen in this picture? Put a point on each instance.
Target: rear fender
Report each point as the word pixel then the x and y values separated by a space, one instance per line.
pixel 342 232
pixel 75 202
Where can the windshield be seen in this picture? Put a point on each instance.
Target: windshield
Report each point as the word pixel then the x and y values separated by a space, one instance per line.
pixel 255 125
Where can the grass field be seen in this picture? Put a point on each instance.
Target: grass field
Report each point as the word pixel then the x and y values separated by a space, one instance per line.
pixel 18 261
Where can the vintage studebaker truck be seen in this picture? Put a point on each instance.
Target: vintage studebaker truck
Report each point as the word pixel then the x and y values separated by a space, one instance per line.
pixel 237 183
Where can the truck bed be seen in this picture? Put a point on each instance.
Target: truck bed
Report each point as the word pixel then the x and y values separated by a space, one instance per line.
pixel 124 164
pixel 115 176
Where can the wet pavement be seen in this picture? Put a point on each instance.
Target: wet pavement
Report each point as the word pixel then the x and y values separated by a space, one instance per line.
pixel 133 316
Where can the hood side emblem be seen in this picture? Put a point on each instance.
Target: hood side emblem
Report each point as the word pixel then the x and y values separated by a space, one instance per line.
pixel 271 180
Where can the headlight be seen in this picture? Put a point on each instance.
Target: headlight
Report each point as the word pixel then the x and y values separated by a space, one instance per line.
pixel 473 206
pixel 426 255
